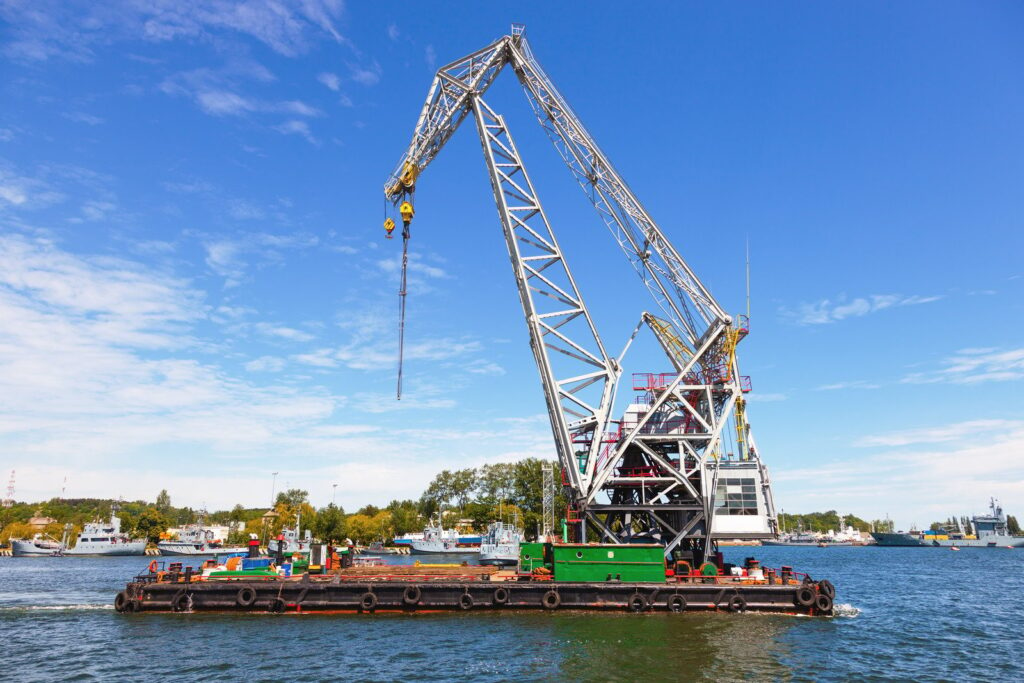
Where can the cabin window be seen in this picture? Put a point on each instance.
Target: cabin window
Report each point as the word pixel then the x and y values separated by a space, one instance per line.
pixel 736 496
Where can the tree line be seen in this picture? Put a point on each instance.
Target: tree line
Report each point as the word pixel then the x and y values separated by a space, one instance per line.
pixel 471 497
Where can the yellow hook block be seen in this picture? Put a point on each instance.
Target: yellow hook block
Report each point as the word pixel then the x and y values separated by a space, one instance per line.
pixel 407 213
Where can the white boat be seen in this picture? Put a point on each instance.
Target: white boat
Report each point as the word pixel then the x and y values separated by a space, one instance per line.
pixel 195 539
pixel 500 545
pixel 436 539
pixel 105 538
pixel 37 546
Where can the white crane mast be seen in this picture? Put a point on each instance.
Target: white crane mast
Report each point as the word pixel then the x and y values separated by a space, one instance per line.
pixel 663 471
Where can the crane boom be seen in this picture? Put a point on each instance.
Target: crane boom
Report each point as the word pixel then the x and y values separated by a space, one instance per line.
pixel 660 472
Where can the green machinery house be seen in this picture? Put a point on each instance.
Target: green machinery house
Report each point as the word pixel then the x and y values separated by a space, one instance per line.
pixel 592 563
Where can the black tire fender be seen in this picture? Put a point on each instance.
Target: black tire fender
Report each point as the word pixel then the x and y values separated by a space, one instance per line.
pixel 825 586
pixel 368 601
pixel 121 602
pixel 551 600
pixel 823 603
pixel 804 596
pixel 500 596
pixel 411 595
pixel 465 601
pixel 277 606
pixel 245 596
pixel 179 603
pixel 737 603
pixel 676 603
pixel 638 603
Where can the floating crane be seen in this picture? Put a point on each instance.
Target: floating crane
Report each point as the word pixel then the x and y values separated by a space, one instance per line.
pixel 681 467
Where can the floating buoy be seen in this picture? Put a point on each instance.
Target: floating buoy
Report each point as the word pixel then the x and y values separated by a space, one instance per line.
pixel 953 547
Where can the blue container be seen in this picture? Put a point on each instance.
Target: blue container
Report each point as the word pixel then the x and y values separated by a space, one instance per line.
pixel 256 562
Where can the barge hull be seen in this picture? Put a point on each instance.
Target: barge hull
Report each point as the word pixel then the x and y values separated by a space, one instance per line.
pixel 319 595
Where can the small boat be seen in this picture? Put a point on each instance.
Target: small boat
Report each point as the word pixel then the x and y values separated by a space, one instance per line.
pixel 953 547
pixel 39 545
pixel 195 539
pixel 438 540
pixel 500 545
pixel 378 548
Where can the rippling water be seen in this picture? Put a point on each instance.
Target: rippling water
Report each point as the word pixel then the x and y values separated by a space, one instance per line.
pixel 906 613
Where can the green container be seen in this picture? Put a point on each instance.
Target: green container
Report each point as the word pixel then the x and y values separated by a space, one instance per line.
pixel 534 555
pixel 592 563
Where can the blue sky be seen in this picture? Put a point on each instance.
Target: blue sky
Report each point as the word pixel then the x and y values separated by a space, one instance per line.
pixel 195 290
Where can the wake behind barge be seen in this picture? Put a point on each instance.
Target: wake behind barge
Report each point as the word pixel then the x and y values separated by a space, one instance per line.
pixel 549 577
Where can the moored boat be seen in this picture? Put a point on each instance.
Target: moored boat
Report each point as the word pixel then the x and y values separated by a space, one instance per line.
pixel 39 545
pixel 106 538
pixel 500 545
pixel 438 540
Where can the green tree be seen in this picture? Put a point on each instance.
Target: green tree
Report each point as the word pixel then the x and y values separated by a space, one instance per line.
pixel 1012 526
pixel 150 524
pixel 330 524
pixel 292 498
pixel 163 501
pixel 405 516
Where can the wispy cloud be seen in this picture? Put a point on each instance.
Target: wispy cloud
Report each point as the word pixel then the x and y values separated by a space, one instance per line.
pixel 853 384
pixel 330 80
pixel 393 32
pixel 296 127
pixel 282 332
pixel 365 75
pixel 755 397
pixel 82 117
pixel 49 29
pixel 974 366
pixel 829 311
pixel 229 256
pixel 431 58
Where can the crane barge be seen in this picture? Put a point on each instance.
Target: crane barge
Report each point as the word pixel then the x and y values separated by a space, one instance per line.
pixel 650 491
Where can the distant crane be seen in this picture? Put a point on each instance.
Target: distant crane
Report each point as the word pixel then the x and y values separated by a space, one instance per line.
pixel 681 466
pixel 9 498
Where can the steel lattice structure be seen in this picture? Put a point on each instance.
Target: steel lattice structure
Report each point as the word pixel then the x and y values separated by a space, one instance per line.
pixel 663 471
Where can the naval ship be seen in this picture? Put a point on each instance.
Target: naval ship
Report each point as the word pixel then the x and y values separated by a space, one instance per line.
pixel 990 532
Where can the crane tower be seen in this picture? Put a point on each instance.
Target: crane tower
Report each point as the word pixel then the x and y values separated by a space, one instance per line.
pixel 680 466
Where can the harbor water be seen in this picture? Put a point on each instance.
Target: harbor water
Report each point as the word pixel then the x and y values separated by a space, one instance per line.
pixel 919 614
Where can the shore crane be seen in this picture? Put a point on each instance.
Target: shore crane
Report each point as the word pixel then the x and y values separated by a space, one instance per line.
pixel 681 466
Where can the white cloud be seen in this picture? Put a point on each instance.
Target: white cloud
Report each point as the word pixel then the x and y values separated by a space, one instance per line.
pixel 917 476
pixel 265 364
pixel 431 58
pixel 953 432
pixel 974 366
pixel 44 30
pixel 393 32
pixel 330 80
pixel 282 332
pixel 484 367
pixel 296 127
pixel 365 75
pixel 828 311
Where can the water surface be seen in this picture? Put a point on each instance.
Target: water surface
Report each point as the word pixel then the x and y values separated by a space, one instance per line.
pixel 907 613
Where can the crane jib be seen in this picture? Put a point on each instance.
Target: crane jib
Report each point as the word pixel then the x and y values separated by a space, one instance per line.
pixel 664 465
